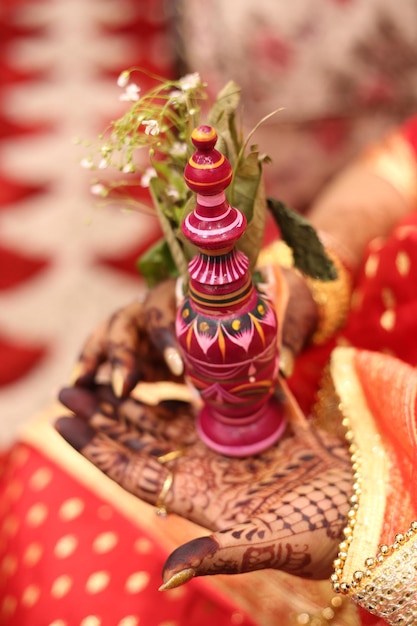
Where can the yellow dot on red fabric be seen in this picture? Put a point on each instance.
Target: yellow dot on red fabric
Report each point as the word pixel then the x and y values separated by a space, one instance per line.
pixel 30 596
pixel 9 565
pixel 8 605
pixel 71 509
pixel 403 263
pixel 10 525
pixel 37 514
pixel 91 620
pixel 105 542
pixel 61 586
pixel 169 623
pixel 143 545
pixel 58 622
pixel 129 620
pixel 371 265
pixel 32 554
pixel 97 582
pixel 387 320
pixel 65 546
pixel 40 479
pixel 137 582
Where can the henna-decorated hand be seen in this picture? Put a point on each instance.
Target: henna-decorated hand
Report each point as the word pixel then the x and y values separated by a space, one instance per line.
pixel 284 509
pixel 126 342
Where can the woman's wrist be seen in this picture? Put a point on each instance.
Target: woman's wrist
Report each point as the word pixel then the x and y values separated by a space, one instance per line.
pixel 315 309
pixel 368 199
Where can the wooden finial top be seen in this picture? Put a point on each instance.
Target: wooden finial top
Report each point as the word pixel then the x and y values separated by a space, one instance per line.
pixel 208 172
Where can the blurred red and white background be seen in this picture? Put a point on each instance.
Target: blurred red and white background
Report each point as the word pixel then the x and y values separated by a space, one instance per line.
pixel 65 262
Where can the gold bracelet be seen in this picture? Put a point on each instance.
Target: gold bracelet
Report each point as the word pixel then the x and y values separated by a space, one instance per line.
pixel 332 297
pixel 276 253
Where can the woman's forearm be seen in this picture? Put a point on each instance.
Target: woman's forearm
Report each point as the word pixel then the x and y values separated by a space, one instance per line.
pixel 367 199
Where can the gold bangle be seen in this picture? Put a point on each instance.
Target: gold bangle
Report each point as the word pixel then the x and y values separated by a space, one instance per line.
pixel 276 253
pixel 161 508
pixel 332 299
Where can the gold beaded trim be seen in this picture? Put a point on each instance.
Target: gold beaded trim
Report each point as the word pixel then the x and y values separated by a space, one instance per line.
pixel 326 615
pixel 385 584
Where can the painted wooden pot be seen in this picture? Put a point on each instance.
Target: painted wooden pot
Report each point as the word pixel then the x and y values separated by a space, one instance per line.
pixel 226 326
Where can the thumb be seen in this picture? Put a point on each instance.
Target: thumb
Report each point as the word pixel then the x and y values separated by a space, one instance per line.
pixel 248 547
pixel 301 314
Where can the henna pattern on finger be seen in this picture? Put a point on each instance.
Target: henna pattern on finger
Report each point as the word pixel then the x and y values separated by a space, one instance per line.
pixel 161 326
pixel 140 474
pixel 284 556
pixel 170 421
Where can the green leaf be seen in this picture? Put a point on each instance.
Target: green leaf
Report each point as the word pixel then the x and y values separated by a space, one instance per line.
pixel 157 264
pixel 249 197
pixel 309 254
pixel 222 116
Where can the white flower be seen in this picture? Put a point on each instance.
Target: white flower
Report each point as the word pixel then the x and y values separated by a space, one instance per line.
pixel 131 93
pixel 177 97
pixel 172 193
pixel 123 78
pixel 178 148
pixel 87 163
pixel 129 168
pixel 103 164
pixel 98 190
pixel 105 149
pixel 151 127
pixel 149 173
pixel 190 81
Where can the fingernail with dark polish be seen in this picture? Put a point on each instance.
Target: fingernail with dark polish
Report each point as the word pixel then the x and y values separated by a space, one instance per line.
pixel 75 431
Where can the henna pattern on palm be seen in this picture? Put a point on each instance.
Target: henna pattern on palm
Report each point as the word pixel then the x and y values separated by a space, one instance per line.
pixel 131 342
pixel 283 509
